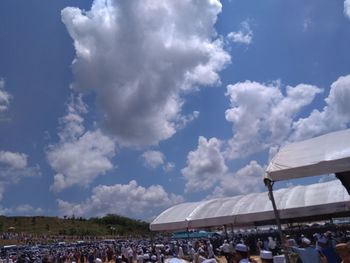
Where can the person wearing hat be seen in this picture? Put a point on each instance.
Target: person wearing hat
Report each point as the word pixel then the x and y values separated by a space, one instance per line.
pixel 242 254
pixel 226 251
pixel 326 248
pixel 343 251
pixel 266 256
pixel 306 252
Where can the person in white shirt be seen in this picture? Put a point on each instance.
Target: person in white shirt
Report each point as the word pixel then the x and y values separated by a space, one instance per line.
pixel 210 250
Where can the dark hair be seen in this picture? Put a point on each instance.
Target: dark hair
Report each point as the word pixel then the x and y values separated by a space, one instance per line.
pixel 242 254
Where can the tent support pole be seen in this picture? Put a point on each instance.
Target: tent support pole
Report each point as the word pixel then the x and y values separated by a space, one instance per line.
pixel 269 185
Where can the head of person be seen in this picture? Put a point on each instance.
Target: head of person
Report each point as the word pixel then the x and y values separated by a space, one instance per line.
pixel 343 250
pixel 305 242
pixel 291 242
pixel 241 251
pixel 266 256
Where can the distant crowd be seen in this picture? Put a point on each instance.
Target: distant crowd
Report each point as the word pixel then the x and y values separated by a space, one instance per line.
pixel 302 246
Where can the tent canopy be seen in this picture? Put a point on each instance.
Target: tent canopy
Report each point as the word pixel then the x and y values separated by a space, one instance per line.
pixel 329 153
pixel 253 209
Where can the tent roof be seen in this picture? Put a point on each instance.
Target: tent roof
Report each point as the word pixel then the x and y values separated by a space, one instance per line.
pixel 252 209
pixel 329 153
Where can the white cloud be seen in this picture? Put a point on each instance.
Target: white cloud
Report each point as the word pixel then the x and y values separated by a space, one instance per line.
pixel 153 159
pixel 262 115
pixel 14 167
pixel 182 121
pixel 205 165
pixel 80 156
pixel 26 209
pixel 168 167
pixel 129 200
pixel 22 210
pixel 248 179
pixel 307 23
pixel 243 36
pixel 4 96
pixel 347 8
pixel 15 160
pixel 334 116
pixel 140 75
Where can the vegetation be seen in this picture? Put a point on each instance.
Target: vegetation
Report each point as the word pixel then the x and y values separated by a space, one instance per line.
pixel 110 225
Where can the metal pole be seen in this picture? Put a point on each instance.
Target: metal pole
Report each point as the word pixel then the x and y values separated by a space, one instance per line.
pixel 269 185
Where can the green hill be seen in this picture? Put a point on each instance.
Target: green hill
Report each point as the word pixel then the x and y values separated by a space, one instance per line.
pixel 110 225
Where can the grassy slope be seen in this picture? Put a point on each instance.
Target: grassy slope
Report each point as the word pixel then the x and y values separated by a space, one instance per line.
pixel 108 225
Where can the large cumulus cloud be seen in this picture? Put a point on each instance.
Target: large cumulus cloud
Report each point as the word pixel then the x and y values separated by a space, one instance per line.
pixel 80 156
pixel 262 115
pixel 246 180
pixel 334 116
pixel 138 57
pixel 205 165
pixel 130 200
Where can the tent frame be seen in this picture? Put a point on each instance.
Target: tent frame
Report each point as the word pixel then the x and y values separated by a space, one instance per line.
pixel 269 185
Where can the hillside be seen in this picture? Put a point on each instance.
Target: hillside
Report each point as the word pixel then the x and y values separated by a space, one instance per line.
pixel 110 225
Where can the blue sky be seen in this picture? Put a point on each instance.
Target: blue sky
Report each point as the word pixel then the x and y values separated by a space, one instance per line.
pixel 130 107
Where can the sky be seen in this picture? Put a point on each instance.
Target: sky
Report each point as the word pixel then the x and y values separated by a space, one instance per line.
pixel 131 107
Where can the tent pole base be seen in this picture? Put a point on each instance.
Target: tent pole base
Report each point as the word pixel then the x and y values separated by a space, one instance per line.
pixel 269 185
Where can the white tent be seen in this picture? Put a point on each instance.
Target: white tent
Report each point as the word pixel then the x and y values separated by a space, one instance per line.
pixel 245 210
pixel 329 153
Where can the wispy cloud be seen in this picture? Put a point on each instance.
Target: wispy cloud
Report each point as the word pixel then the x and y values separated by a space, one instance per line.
pixel 347 8
pixel 4 96
pixel 243 36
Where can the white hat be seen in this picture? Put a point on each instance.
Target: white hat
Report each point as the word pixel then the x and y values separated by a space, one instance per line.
pixel 265 254
pixel 306 241
pixel 241 248
pixel 98 260
pixel 154 257
pixel 291 242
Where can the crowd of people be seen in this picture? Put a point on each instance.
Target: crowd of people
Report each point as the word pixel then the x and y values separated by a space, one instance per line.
pixel 300 246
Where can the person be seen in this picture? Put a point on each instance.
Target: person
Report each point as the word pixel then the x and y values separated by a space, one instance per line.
pixel 242 254
pixel 326 249
pixel 343 251
pixel 259 245
pixel 272 245
pixel 306 252
pixel 210 250
pixel 180 253
pixel 226 251
pixel 266 256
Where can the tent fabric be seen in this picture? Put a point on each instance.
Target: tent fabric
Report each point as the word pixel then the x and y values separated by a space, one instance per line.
pixel 329 153
pixel 249 210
